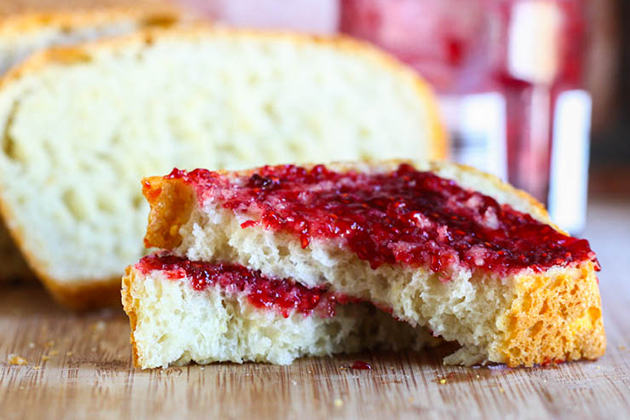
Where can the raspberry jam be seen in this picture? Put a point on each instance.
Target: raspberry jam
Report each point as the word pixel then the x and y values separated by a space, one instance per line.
pixel 400 217
pixel 361 365
pixel 263 292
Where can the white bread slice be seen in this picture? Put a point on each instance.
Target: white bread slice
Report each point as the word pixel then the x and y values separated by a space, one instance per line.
pixel 81 126
pixel 525 316
pixel 172 323
pixel 27 26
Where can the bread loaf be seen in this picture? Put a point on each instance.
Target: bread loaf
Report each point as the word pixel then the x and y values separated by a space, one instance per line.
pixel 82 125
pixel 27 26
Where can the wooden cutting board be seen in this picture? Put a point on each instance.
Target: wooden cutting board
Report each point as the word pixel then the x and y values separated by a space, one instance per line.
pixel 80 366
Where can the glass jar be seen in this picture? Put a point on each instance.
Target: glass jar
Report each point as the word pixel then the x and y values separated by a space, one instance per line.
pixel 509 75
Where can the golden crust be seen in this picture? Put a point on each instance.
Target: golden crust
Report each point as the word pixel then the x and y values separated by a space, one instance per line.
pixel 172 202
pixel 16 23
pixel 130 305
pixel 84 52
pixel 555 317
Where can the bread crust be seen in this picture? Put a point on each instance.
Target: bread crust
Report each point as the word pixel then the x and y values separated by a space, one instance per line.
pixel 18 18
pixel 131 307
pixel 71 295
pixel 554 316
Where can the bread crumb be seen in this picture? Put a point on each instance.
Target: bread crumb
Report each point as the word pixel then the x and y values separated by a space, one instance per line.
pixel 69 353
pixel 338 402
pixel 442 381
pixel 45 358
pixel 31 345
pixel 16 360
pixel 501 390
pixel 53 353
pixel 50 343
pixel 37 367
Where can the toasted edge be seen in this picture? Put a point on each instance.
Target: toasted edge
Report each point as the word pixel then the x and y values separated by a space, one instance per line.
pixel 131 308
pixel 554 319
pixel 19 23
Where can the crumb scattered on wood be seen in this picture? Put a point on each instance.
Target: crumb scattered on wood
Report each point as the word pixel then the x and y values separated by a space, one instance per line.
pixel 16 360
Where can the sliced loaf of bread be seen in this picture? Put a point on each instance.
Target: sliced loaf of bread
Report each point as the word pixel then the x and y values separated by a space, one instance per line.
pixel 82 125
pixel 438 245
pixel 27 26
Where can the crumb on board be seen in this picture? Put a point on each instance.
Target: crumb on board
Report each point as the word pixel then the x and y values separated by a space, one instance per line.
pixel 31 345
pixel 50 343
pixel 338 402
pixel 98 326
pixel 45 358
pixel 69 354
pixel 442 381
pixel 16 360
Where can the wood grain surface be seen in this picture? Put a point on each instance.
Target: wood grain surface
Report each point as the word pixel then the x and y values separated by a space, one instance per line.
pixel 79 366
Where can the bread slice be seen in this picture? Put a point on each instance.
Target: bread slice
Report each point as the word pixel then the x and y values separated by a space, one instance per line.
pixel 27 26
pixel 442 246
pixel 182 311
pixel 81 126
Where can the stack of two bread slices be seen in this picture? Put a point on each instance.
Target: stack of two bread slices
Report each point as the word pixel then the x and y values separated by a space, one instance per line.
pixel 283 261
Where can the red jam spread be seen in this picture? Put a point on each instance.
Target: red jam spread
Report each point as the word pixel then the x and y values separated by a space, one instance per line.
pixel 404 216
pixel 263 292
pixel 361 365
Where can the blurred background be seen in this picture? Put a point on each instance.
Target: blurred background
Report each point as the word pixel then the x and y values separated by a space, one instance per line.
pixel 531 90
